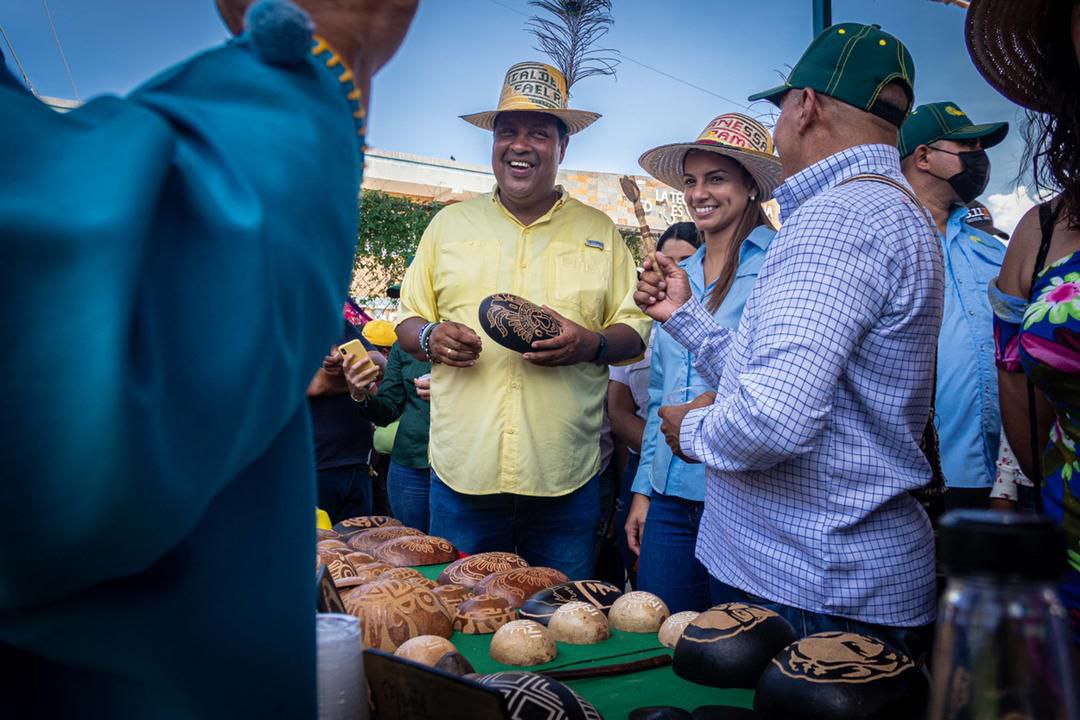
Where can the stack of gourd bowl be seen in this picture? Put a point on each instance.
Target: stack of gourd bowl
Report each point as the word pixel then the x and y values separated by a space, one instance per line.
pixel 526 609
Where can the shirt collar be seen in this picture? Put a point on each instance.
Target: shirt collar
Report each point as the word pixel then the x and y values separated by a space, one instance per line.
pixel 956 220
pixel 759 237
pixel 827 173
pixel 757 241
pixel 559 202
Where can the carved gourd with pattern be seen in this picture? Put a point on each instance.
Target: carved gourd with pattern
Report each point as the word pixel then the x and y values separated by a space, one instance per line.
pixel 469 571
pixel 519 584
pixel 411 551
pixel 393 611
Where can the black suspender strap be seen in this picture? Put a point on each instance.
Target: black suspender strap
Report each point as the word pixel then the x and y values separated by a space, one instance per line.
pixel 932 496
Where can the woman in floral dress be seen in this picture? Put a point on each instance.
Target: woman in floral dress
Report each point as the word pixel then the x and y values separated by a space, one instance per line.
pixel 1029 50
pixel 1040 340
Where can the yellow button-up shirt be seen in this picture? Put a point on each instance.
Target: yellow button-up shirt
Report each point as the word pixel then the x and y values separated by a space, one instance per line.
pixel 506 425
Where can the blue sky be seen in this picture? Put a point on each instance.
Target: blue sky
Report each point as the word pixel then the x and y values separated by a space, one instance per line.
pixel 457 52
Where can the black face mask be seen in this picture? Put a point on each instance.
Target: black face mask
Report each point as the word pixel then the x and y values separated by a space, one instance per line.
pixel 970 182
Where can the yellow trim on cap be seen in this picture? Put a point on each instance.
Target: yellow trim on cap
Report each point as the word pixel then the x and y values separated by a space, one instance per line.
pixel 322 50
pixel 886 81
pixel 845 54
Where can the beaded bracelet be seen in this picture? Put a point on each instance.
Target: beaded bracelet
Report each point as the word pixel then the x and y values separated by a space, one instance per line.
pixel 425 339
pixel 420 336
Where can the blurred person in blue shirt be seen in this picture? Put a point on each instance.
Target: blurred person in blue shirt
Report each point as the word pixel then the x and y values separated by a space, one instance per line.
pixel 628 397
pixel 943 156
pixel 153 495
pixel 724 175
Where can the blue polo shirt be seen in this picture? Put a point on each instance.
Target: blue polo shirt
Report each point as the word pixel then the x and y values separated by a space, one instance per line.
pixel 672 369
pixel 968 418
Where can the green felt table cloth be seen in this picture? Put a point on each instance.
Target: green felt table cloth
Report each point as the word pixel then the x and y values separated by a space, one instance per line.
pixel 614 696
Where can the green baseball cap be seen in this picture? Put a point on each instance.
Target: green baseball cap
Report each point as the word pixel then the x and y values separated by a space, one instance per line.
pixel 946 121
pixel 853 63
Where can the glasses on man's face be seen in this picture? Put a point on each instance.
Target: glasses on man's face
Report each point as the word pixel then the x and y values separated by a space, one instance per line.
pixel 974 147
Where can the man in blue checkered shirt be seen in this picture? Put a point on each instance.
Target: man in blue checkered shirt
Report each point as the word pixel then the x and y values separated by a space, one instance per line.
pixel 812 438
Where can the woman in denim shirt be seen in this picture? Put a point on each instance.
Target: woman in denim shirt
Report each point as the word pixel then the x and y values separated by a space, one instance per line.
pixel 724 175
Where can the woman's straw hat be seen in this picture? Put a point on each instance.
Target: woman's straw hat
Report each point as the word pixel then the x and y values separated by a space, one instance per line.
pixel 535 87
pixel 743 139
pixel 1003 38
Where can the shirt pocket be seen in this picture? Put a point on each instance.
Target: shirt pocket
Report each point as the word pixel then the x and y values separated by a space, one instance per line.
pixel 986 258
pixel 580 285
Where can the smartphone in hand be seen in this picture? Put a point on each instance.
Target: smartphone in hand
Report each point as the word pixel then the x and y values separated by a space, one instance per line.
pixel 354 353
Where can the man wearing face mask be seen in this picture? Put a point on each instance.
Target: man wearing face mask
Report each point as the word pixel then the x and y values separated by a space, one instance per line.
pixel 944 158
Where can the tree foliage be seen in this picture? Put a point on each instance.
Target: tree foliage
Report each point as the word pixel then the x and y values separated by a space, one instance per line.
pixel 390 230
pixel 632 238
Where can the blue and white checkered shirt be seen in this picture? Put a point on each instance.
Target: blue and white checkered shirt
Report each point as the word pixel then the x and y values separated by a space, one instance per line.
pixel 823 391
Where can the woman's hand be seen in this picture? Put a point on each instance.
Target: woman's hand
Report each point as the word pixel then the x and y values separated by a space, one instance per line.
pixel 359 376
pixel 635 522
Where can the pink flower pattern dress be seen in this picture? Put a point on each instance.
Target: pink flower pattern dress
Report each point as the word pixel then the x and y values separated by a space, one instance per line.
pixel 1042 340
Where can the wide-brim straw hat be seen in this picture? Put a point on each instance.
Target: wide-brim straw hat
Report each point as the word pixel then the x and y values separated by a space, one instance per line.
pixel 741 138
pixel 535 87
pixel 1004 40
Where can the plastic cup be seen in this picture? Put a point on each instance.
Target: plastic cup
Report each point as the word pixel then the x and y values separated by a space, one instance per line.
pixel 340 666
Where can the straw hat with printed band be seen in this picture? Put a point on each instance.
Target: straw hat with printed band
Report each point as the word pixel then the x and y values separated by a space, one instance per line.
pixel 535 87
pixel 1004 40
pixel 736 136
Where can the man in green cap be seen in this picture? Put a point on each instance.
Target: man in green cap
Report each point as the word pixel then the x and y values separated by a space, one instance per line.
pixel 811 442
pixel 943 156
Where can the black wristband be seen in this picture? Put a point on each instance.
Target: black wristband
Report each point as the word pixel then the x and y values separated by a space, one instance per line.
pixel 601 349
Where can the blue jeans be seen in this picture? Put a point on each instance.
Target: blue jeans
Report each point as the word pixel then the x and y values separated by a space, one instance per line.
pixel 912 641
pixel 408 490
pixel 344 492
pixel 558 532
pixel 668 567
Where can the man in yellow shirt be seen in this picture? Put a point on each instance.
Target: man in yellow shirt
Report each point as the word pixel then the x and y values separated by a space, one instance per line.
pixel 515 437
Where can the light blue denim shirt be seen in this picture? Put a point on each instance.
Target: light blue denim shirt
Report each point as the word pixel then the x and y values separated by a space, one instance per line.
pixel 967 415
pixel 672 369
